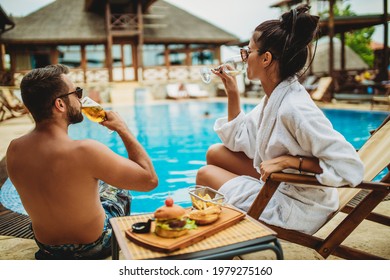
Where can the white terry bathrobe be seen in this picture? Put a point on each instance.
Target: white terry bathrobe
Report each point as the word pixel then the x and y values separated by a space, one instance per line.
pixel 289 123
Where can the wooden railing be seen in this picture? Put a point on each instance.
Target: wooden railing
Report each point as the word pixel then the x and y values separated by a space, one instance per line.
pixel 124 22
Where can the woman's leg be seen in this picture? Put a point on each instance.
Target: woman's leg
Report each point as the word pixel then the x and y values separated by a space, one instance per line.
pixel 213 176
pixel 235 162
pixel 224 165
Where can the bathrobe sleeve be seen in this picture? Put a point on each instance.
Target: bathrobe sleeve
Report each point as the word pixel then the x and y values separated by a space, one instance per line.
pixel 338 159
pixel 239 135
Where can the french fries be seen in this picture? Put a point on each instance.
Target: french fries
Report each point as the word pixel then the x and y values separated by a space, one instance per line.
pixel 203 203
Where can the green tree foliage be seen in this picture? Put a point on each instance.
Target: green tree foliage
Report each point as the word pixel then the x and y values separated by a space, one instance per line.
pixel 358 40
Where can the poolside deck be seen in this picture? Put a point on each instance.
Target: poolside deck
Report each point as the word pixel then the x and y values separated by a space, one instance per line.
pixel 21 248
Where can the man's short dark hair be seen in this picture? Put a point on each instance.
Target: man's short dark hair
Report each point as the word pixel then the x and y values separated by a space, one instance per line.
pixel 40 88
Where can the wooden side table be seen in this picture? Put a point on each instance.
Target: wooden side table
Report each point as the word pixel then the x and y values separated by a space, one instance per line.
pixel 245 237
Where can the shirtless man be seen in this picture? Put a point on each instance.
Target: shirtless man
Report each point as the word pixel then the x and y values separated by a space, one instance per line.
pixel 58 178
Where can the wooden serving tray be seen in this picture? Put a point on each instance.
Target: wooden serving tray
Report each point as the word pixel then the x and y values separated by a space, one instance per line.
pixel 227 218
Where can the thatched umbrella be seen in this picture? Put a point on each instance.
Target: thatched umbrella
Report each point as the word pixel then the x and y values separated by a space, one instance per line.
pixel 321 60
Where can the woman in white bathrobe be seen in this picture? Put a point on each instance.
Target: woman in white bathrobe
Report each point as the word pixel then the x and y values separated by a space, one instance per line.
pixel 285 132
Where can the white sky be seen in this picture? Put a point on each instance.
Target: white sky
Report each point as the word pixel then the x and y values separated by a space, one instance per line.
pixel 238 17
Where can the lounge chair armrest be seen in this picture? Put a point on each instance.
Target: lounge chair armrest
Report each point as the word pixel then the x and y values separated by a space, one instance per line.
pixel 275 179
pixel 312 180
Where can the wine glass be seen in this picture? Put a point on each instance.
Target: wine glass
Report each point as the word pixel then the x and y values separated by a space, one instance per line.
pixel 93 111
pixel 232 66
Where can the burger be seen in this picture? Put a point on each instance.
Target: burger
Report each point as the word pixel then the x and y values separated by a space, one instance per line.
pixel 205 216
pixel 171 220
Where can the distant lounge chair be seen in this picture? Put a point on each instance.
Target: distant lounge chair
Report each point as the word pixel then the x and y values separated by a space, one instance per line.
pixel 322 90
pixel 10 105
pixel 384 99
pixel 194 91
pixel 309 83
pixel 176 91
pixel 375 155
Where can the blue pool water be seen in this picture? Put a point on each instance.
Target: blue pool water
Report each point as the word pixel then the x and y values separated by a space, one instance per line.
pixel 176 136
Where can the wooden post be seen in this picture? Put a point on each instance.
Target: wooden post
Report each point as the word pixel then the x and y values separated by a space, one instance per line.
pixel 84 63
pixel 53 55
pixel 331 35
pixel 123 62
pixel 188 62
pixel 13 66
pixel 217 52
pixel 2 57
pixel 385 63
pixel 140 40
pixel 109 42
pixel 342 52
pixel 134 53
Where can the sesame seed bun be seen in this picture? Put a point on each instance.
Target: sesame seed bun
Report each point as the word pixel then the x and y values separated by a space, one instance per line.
pixel 169 212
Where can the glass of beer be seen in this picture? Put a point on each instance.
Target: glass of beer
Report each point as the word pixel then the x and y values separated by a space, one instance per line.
pixel 93 110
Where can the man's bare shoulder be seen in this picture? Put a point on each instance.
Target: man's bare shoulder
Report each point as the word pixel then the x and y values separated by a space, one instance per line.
pixel 15 143
pixel 89 146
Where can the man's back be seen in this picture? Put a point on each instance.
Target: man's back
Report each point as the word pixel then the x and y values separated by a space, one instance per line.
pixel 56 188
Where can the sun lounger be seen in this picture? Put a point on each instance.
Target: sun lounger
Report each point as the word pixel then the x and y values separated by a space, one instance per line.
pixel 381 99
pixel 10 105
pixel 375 155
pixel 309 83
pixel 194 91
pixel 176 91
pixel 322 90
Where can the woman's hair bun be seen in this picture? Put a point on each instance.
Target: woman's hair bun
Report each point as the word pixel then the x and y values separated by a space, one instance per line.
pixel 300 25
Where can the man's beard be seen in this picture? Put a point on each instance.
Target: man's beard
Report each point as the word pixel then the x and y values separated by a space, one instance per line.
pixel 74 116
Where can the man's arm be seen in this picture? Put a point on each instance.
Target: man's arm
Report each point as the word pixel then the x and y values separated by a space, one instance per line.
pixel 135 173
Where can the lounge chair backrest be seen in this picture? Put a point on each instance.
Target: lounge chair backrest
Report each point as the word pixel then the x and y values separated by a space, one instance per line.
pixel 323 85
pixel 375 154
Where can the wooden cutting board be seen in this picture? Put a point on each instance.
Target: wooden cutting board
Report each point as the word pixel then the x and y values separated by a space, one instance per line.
pixel 227 218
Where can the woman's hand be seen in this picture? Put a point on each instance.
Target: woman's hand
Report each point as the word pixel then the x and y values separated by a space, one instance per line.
pixel 228 81
pixel 307 164
pixel 273 165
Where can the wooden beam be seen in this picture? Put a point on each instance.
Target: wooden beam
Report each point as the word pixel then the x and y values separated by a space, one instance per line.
pixel 331 35
pixel 342 51
pixel 385 64
pixel 123 61
pixel 2 57
pixel 140 40
pixel 108 45
pixel 188 55
pixel 84 63
pixel 134 53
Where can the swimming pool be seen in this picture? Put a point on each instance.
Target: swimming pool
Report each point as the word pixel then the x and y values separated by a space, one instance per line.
pixel 176 136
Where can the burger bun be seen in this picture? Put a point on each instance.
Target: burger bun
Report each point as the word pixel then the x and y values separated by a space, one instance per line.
pixel 206 216
pixel 169 212
pixel 170 233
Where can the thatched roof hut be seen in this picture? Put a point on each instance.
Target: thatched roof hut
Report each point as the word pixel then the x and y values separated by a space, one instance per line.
pixel 43 36
pixel 5 22
pixel 67 22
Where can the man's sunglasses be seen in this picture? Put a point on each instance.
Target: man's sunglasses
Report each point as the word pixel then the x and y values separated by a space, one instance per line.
pixel 78 92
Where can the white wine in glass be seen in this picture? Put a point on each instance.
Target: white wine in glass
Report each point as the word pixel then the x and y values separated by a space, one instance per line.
pixel 232 66
pixel 93 110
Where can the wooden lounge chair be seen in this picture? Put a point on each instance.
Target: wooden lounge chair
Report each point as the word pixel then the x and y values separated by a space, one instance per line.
pixel 194 91
pixel 10 105
pixel 375 155
pixel 381 99
pixel 321 93
pixel 176 91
